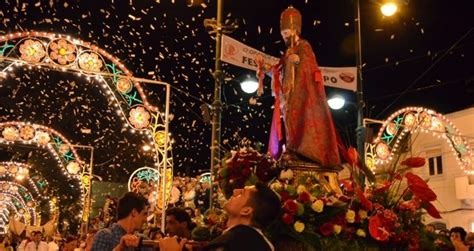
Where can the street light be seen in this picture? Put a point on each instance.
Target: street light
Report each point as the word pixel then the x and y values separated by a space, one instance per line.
pixel 389 8
pixel 336 102
pixel 249 86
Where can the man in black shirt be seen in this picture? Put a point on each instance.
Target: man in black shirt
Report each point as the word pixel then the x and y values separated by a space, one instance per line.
pixel 249 209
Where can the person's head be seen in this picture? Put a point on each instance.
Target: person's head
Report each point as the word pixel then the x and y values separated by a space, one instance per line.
pixel 190 211
pixel 197 212
pixel 257 204
pixel 132 207
pixel 36 236
pixel 290 24
pixel 430 228
pixel 178 222
pixel 457 233
pixel 156 234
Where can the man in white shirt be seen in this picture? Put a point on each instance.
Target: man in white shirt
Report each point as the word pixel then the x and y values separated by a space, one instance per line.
pixel 36 244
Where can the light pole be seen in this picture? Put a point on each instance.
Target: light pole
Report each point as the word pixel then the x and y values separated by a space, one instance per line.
pixel 216 27
pixel 217 104
pixel 360 91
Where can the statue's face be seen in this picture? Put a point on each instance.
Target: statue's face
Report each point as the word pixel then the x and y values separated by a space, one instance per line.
pixel 286 35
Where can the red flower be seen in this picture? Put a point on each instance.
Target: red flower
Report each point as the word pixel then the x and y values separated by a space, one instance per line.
pixel 327 229
pixel 367 204
pixel 414 162
pixel 304 197
pixel 290 206
pixel 386 185
pixel 376 229
pixel 431 210
pixel 419 187
pixel 353 156
pixel 287 218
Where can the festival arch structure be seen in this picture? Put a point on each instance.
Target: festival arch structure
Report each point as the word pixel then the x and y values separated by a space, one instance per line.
pixel 64 53
pixel 412 120
pixel 32 190
pixel 21 133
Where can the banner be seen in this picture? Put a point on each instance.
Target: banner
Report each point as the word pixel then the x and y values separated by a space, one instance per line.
pixel 239 54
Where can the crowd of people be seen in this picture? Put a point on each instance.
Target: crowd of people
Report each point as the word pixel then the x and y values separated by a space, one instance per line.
pixel 247 211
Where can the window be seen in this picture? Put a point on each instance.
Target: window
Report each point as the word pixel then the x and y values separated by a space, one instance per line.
pixel 435 165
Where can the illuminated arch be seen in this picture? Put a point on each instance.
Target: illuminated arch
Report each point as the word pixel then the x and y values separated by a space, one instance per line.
pixel 64 53
pixel 411 120
pixel 21 199
pixel 15 132
pixel 43 49
pixel 13 170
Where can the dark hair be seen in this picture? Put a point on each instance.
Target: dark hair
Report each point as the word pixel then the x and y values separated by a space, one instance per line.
pixel 128 202
pixel 192 215
pixel 155 231
pixel 459 230
pixel 180 215
pixel 266 205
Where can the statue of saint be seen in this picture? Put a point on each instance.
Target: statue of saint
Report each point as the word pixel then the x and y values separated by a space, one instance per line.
pixel 302 126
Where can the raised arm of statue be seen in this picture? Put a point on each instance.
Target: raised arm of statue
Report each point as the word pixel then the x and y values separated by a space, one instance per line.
pixel 262 69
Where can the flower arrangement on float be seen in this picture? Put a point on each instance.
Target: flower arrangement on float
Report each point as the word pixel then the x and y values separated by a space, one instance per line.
pixel 384 212
pixel 388 212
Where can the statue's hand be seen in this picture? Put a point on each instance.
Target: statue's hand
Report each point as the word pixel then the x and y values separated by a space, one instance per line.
pixel 294 58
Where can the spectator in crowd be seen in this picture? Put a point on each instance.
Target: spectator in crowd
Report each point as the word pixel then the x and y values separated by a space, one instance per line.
pixel 457 236
pixel 156 234
pixel 189 195
pixel 178 223
pixel 131 214
pixel 36 243
pixel 249 210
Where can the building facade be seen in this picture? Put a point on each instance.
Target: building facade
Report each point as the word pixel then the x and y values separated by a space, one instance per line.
pixel 454 188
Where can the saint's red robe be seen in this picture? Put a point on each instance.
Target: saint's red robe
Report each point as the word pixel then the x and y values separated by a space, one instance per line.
pixel 308 126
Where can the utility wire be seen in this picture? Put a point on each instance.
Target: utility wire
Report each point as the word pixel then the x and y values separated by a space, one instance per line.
pixel 425 72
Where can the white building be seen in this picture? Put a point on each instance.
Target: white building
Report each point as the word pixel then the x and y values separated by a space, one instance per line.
pixel 454 188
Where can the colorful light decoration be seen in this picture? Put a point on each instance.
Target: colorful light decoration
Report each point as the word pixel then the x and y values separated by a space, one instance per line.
pixel 412 120
pixel 62 50
pixel 43 138
pixel 21 199
pixel 53 141
pixel 68 54
pixel 205 178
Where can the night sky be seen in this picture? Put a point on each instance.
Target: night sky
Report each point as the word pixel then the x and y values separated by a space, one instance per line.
pixel 166 41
